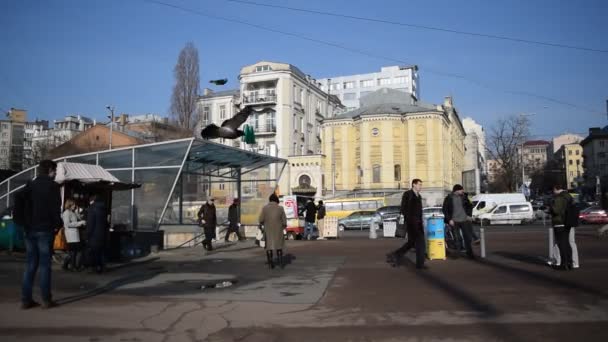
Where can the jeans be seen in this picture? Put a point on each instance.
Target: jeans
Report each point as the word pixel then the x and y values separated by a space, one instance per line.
pixel 467 235
pixel 309 227
pixel 562 235
pixel 38 247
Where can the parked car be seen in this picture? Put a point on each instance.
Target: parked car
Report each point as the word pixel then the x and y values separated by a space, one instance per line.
pixel 593 215
pixel 357 220
pixel 387 213
pixel 509 213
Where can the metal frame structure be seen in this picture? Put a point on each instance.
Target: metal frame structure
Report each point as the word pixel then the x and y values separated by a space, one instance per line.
pixel 188 156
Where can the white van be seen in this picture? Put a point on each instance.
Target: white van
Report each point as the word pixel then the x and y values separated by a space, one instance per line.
pixel 509 213
pixel 484 203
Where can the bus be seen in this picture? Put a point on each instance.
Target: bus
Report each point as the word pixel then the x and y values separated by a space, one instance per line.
pixel 341 208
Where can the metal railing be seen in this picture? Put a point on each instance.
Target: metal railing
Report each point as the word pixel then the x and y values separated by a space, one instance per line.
pixel 259 98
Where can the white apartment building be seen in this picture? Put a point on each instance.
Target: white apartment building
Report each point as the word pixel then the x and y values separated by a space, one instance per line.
pixel 566 139
pixel 62 131
pixel 289 107
pixel 353 87
pixel 475 156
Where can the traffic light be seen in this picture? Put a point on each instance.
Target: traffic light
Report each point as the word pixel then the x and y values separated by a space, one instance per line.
pixel 249 136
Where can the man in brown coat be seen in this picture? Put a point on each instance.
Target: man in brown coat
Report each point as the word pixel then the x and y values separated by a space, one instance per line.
pixel 274 220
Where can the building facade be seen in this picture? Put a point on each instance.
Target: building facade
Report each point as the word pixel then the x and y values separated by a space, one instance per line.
pixel 570 160
pixel 62 131
pixel 288 109
pixel 12 140
pixel 350 89
pixel 536 153
pixel 387 142
pixel 475 177
pixel 595 163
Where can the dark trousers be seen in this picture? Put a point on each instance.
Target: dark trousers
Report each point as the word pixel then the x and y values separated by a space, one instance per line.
pixel 96 257
pixel 233 229
pixel 74 259
pixel 467 236
pixel 415 238
pixel 38 247
pixel 565 250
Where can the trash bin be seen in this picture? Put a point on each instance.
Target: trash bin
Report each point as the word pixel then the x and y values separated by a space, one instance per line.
pixel 435 238
pixel 11 235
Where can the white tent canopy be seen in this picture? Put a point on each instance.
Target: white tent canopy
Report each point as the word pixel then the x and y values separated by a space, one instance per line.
pixel 84 173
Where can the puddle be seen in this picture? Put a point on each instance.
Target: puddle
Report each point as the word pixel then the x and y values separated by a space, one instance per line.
pixel 219 284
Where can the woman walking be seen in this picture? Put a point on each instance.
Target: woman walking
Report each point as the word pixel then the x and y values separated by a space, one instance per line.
pixel 71 226
pixel 274 221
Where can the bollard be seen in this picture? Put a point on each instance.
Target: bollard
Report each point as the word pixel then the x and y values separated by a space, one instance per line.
pixel 550 243
pixel 372 230
pixel 482 236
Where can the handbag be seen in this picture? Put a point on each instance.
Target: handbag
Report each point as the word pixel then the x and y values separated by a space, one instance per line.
pixel 60 243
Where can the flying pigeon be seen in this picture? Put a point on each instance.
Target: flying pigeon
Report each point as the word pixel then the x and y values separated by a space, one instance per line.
pixel 219 82
pixel 229 129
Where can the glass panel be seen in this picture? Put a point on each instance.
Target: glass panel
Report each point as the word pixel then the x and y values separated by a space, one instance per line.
pixel 3 207
pixel 21 179
pixel 519 208
pixel 115 160
pixel 152 196
pixel 333 207
pixel 501 210
pixel 161 155
pixel 121 203
pixel 3 188
pixel 368 205
pixel 350 205
pixel 88 159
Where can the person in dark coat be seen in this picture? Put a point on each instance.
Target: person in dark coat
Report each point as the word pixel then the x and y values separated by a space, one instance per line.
pixel 97 230
pixel 457 212
pixel 208 220
pixel 310 218
pixel 561 229
pixel 411 209
pixel 233 220
pixel 321 220
pixel 42 219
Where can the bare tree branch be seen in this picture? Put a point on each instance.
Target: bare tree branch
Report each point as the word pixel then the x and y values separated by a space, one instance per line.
pixel 186 89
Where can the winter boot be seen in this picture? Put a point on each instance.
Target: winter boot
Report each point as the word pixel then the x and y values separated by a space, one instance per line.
pixel 280 258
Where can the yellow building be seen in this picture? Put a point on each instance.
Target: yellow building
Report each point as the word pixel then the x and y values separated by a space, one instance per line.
pixel 389 141
pixel 571 157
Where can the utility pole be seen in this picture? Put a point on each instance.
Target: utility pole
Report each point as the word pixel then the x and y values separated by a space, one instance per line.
pixel 333 145
pixel 111 109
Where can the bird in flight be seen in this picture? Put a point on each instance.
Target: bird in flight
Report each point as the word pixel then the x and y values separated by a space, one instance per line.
pixel 229 128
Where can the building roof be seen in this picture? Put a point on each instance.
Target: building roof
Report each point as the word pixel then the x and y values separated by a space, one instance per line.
pixel 536 143
pixel 387 101
pixel 223 93
pixel 595 133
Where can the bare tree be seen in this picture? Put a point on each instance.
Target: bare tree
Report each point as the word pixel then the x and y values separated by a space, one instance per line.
pixel 186 89
pixel 503 144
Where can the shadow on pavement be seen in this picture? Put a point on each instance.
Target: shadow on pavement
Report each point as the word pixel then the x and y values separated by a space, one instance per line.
pixel 528 259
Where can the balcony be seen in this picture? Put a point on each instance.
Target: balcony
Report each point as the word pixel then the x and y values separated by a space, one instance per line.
pixel 265 128
pixel 260 97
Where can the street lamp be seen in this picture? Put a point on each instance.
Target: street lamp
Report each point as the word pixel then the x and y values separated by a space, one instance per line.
pixel 111 109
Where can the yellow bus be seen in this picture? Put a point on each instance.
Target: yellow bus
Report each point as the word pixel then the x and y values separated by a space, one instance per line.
pixel 343 207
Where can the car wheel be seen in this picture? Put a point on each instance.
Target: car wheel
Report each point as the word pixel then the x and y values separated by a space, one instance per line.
pixel 486 222
pixel 342 227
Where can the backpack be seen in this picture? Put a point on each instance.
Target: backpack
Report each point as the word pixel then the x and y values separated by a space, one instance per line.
pixel 572 212
pixel 22 208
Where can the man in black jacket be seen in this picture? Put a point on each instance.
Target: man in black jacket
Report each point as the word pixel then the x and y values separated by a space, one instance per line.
pixel 457 212
pixel 43 219
pixel 97 228
pixel 208 219
pixel 310 218
pixel 233 220
pixel 411 209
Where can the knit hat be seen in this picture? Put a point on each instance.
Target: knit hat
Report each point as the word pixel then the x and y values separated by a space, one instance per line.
pixel 457 187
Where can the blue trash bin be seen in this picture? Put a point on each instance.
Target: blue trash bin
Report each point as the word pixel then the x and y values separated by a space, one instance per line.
pixel 11 235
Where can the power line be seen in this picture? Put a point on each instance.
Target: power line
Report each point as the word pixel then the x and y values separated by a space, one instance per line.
pixel 423 27
pixel 368 54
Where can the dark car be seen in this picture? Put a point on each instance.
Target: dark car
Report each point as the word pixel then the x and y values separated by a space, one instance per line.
pixel 357 220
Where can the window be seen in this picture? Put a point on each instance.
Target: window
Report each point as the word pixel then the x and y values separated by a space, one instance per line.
pixel 578 162
pixel 577 152
pixel 262 68
pixel 302 125
pixel 570 152
pixel 520 208
pixel 376 174
pixel 397 173
pixel 367 205
pixel 206 118
pixel 367 83
pixel 570 161
pixel 295 148
pixel 501 210
pixel 222 112
pixel 571 173
pixel 349 85
pixel 295 123
pixel 481 205
pixel 400 79
pixel 350 96
pixel 222 186
pixel 384 81
pixel 270 126
pixel 335 86
pixel 302 150
pixel 329 207
pixel 350 206
pixel 302 100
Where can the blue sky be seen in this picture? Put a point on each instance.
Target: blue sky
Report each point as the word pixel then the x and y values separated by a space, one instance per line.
pixel 64 57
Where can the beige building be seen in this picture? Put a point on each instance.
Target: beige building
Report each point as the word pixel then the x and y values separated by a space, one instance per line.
pixel 536 153
pixel 387 142
pixel 289 106
pixel 570 158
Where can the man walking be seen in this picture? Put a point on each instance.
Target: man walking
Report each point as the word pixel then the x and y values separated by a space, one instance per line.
pixel 321 220
pixel 457 212
pixel 233 220
pixel 311 215
pixel 41 210
pixel 97 229
pixel 411 209
pixel 208 219
pixel 560 226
